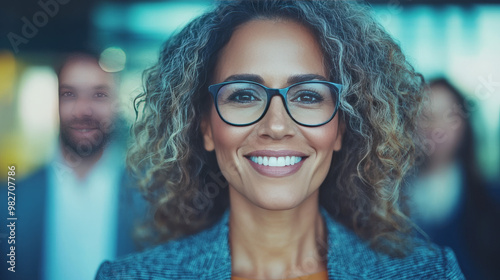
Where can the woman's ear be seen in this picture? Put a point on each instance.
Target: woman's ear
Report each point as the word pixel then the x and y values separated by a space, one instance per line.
pixel 206 130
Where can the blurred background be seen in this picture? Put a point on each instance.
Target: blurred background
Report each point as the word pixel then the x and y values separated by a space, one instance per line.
pixel 457 40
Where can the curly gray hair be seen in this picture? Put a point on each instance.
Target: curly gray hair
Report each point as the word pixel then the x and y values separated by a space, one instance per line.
pixel 380 106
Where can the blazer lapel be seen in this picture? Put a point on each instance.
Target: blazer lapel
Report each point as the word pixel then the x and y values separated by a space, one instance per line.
pixel 348 256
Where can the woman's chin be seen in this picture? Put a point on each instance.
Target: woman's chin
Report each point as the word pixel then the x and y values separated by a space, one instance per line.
pixel 278 203
pixel 273 198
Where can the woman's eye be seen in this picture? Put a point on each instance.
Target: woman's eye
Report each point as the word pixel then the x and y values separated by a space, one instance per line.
pixel 243 97
pixel 307 98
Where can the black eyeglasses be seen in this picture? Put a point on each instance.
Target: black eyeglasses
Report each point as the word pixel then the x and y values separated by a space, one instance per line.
pixel 310 103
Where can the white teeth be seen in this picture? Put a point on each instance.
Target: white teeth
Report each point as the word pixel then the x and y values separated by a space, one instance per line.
pixel 276 161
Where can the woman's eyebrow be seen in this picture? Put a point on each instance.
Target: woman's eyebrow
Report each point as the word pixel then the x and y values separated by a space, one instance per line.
pixel 245 77
pixel 291 80
pixel 305 77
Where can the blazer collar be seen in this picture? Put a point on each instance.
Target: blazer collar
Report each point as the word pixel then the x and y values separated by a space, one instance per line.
pixel 343 247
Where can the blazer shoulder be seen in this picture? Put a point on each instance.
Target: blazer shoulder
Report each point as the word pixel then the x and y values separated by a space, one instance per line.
pixel 184 258
pixel 426 261
pixel 349 256
pixel 158 261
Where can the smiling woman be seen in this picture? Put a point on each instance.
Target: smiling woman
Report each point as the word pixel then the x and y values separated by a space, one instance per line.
pixel 309 111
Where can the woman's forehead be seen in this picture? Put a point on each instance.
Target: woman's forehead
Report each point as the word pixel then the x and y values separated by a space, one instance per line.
pixel 270 48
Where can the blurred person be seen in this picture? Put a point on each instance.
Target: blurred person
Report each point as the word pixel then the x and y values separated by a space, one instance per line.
pixel 80 208
pixel 309 111
pixel 450 200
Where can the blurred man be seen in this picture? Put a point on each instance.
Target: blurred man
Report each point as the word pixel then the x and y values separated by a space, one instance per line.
pixel 80 209
pixel 87 111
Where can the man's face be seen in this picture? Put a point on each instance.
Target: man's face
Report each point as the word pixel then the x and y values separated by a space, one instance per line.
pixel 86 106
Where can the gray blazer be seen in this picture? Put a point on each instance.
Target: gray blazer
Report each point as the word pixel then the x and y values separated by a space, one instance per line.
pixel 206 255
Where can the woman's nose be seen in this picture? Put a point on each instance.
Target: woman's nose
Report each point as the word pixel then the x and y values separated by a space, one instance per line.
pixel 276 124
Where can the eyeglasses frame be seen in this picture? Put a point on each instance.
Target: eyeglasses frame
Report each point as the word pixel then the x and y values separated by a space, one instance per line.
pixel 271 92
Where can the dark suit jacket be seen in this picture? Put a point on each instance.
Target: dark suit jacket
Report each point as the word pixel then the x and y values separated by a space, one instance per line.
pixel 31 196
pixel 206 255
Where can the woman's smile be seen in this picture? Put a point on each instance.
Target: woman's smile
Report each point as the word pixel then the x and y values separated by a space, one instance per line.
pixel 276 163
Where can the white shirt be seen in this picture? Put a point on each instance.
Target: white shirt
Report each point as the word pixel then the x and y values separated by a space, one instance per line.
pixel 82 216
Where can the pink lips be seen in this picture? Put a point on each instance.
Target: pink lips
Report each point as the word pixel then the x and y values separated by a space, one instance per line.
pixel 276 171
pixel 271 153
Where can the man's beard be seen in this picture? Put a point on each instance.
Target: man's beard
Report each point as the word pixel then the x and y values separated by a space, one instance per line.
pixel 86 146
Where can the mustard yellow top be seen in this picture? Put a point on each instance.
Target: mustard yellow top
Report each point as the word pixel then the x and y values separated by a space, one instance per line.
pixel 316 276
